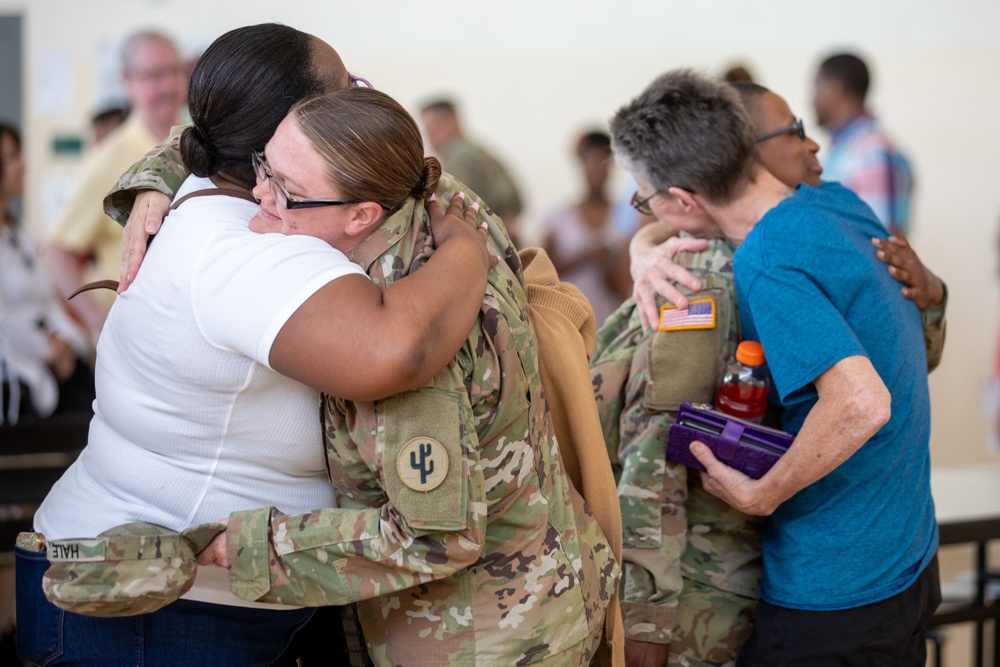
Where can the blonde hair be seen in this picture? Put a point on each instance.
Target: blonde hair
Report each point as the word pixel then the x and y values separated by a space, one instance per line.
pixel 371 145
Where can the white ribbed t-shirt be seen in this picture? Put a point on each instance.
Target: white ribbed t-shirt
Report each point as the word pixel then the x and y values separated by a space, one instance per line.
pixel 190 421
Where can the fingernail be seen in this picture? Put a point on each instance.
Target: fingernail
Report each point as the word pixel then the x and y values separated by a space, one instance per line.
pixel 484 225
pixel 475 207
pixel 433 197
pixel 461 195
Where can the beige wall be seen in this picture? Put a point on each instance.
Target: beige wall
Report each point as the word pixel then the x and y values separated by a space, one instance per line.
pixel 532 73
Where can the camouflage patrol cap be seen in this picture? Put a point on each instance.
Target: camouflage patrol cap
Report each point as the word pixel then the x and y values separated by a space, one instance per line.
pixel 131 569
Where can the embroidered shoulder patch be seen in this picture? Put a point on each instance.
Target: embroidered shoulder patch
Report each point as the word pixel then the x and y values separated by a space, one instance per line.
pixel 422 464
pixel 700 314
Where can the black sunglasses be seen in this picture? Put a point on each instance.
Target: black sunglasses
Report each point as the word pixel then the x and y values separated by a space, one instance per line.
pixel 797 127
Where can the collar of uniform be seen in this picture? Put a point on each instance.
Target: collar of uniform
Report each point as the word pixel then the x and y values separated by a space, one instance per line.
pixel 387 235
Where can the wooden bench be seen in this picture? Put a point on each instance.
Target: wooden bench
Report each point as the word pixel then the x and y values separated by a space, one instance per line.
pixel 33 456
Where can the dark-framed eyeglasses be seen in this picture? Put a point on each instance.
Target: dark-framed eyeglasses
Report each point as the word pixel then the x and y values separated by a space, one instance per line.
pixel 798 127
pixel 641 204
pixel 281 195
pixel 358 82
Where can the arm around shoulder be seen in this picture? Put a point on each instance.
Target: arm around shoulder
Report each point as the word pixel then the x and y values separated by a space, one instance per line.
pixel 353 341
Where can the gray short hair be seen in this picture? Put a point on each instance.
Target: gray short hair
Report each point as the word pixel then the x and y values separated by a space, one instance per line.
pixel 689 131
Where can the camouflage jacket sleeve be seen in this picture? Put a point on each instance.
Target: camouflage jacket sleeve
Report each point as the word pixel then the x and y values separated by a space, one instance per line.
pixel 651 492
pixel 935 326
pixel 336 556
pixel 161 169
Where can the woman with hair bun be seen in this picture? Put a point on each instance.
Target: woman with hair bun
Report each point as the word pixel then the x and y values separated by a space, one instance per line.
pixel 458 533
pixel 210 366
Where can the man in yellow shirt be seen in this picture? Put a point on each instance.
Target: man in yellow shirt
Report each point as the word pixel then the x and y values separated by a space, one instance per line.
pixel 85 244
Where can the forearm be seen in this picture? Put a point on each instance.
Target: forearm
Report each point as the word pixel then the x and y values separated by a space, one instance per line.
pixel 161 169
pixel 431 312
pixel 339 556
pixel 853 405
pixel 65 267
pixel 935 328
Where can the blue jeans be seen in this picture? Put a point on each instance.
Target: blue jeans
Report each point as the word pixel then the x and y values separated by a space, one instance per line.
pixel 184 633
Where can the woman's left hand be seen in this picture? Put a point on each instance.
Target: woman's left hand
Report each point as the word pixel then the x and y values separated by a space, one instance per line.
pixel 921 285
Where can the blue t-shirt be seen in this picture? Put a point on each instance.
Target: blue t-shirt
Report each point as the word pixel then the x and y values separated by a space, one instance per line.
pixel 811 290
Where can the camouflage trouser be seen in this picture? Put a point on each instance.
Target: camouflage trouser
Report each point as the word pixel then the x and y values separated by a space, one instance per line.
pixel 711 626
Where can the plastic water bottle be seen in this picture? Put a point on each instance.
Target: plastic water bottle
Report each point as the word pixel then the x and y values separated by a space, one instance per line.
pixel 745 384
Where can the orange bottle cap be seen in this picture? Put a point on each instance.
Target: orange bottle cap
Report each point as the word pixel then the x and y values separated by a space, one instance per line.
pixel 750 353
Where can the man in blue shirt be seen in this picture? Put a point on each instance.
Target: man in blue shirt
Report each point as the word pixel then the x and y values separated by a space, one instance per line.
pixel 850 575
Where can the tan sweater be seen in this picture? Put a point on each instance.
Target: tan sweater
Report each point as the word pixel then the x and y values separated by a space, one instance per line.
pixel 566 331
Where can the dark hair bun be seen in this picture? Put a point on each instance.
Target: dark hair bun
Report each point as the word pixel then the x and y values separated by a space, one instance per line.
pixel 197 151
pixel 429 177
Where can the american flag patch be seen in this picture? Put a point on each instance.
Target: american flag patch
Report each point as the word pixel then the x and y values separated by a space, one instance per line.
pixel 700 314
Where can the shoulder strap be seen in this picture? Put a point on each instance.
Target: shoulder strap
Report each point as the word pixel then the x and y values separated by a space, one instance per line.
pixel 229 192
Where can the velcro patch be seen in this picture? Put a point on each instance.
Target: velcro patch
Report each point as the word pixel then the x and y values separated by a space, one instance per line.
pixel 420 434
pixel 422 464
pixel 700 314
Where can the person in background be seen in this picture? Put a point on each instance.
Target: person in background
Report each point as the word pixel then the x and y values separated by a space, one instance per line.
pixel 991 395
pixel 43 352
pixel 84 244
pixel 42 369
pixel 861 156
pixel 106 121
pixel 588 239
pixel 471 163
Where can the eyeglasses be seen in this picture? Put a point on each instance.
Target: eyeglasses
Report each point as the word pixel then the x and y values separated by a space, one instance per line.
pixel 641 204
pixel 357 81
pixel 797 127
pixel 281 195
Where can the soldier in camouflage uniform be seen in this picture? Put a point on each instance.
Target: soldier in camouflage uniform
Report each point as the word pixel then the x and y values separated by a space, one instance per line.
pixel 458 532
pixel 692 563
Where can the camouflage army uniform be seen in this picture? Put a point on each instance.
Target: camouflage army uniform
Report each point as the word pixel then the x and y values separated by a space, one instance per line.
pixel 458 532
pixel 473 165
pixel 692 563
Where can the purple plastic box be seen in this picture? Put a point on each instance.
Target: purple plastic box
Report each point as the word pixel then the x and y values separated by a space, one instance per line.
pixel 748 447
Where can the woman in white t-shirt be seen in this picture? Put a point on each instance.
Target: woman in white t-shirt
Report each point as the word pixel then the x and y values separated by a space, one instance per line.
pixel 202 401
